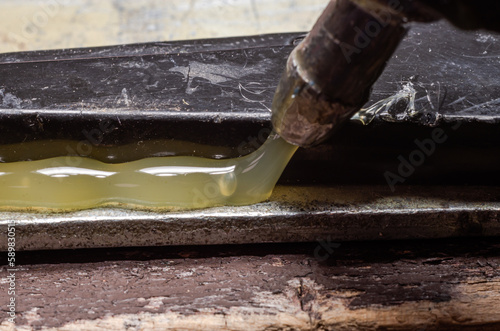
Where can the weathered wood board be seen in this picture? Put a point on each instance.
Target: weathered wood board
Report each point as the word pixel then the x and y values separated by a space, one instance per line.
pixel 422 285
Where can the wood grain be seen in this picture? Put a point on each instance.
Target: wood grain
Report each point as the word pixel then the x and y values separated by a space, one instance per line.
pixel 392 285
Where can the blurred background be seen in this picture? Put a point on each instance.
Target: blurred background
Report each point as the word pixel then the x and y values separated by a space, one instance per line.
pixel 47 24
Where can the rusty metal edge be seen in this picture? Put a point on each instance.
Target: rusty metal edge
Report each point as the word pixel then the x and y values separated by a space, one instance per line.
pixel 293 214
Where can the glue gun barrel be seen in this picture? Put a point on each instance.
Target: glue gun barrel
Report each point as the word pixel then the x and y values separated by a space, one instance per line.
pixel 329 75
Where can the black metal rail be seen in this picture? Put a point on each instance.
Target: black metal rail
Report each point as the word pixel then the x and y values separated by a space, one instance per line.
pixel 138 99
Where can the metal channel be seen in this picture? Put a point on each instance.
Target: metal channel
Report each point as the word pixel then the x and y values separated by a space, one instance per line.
pixel 218 91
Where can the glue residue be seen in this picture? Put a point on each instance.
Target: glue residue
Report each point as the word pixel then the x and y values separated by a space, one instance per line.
pixel 174 182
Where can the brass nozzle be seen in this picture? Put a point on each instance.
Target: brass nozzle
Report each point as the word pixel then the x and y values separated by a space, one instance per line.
pixel 301 115
pixel 329 75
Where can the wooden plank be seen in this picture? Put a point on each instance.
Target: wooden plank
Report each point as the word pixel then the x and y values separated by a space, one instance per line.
pixel 392 285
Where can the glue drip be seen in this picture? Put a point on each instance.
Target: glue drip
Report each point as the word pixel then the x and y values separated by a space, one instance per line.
pixel 169 183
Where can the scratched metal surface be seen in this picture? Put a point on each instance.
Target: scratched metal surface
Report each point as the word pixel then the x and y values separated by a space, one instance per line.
pixel 218 92
pixel 148 95
pixel 215 85
pixel 206 95
pixel 441 61
pixel 437 63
